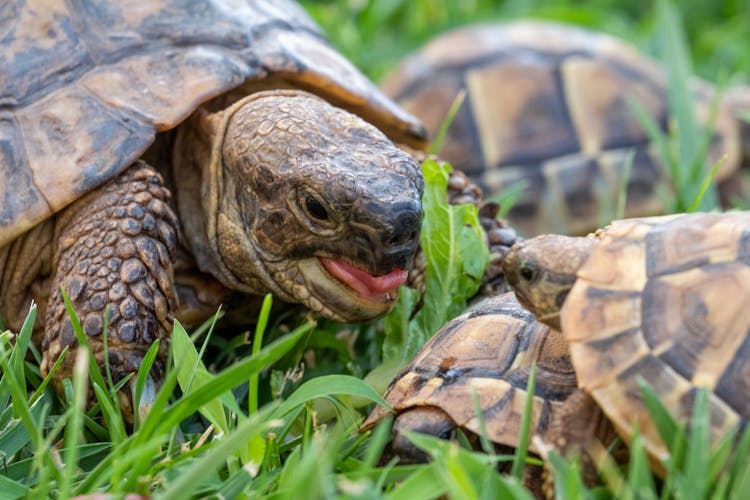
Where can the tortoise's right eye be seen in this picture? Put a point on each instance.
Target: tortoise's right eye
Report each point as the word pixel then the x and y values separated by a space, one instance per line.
pixel 316 208
pixel 528 273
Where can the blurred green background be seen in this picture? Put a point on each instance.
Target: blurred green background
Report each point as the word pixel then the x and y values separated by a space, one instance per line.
pixel 376 34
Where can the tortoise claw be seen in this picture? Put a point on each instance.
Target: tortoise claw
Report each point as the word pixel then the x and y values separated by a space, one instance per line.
pixel 148 396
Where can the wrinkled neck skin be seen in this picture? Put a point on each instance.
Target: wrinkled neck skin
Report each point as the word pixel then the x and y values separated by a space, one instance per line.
pixel 283 193
pixel 542 270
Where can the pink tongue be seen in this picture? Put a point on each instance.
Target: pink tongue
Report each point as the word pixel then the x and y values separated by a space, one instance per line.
pixel 367 285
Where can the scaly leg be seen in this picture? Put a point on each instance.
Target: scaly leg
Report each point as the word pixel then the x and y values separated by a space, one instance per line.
pixel 115 250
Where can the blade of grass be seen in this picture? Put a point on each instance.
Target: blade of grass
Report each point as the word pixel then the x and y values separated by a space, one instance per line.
pixel 705 184
pixel 230 377
pixel 519 459
pixel 426 482
pixel 378 440
pixel 437 143
pixel 739 469
pixel 484 440
pixel 640 481
pixel 12 490
pixel 260 328
pixel 21 407
pixel 507 197
pixel 622 189
pixel 674 55
pixel 665 424
pixel 328 385
pixel 94 373
pixel 23 340
pixel 112 416
pixel 142 378
pixel 74 427
pixel 567 475
pixel 696 459
pixel 192 375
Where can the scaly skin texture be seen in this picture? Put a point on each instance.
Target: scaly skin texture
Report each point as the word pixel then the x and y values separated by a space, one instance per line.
pixel 542 270
pixel 115 251
pixel 296 180
pixel 266 189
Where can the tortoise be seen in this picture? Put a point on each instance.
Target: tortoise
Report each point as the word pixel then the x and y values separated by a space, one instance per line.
pixel 489 350
pixel 658 298
pixel 149 146
pixel 547 106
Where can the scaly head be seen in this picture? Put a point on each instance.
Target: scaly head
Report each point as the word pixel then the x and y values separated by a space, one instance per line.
pixel 308 202
pixel 542 270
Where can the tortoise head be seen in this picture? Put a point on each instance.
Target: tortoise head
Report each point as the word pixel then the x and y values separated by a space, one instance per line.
pixel 542 270
pixel 429 420
pixel 310 203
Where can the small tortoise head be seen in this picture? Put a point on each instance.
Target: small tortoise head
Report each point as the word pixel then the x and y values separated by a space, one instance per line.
pixel 429 420
pixel 542 270
pixel 314 205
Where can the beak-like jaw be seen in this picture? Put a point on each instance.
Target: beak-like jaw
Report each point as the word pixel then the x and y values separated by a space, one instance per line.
pixel 351 294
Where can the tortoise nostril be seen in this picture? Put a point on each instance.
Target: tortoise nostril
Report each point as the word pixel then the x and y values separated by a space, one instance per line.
pixel 402 238
pixel 403 230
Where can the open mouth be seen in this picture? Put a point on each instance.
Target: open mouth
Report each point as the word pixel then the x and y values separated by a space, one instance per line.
pixel 368 287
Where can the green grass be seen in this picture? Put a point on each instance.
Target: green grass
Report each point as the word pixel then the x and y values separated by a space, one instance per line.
pixel 277 418
pixel 376 34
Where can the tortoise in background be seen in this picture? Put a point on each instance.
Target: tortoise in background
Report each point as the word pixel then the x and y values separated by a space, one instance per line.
pixel 663 298
pixel 547 105
pixel 490 350
pixel 229 138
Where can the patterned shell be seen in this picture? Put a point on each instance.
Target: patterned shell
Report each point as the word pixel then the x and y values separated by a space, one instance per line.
pixel 85 86
pixel 666 299
pixel 490 350
pixel 548 105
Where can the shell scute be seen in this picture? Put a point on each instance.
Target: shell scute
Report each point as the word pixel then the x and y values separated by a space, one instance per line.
pixel 734 384
pixel 20 199
pixel 89 84
pixel 689 325
pixel 85 141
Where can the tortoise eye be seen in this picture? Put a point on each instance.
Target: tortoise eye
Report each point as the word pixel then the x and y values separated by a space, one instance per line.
pixel 316 208
pixel 528 273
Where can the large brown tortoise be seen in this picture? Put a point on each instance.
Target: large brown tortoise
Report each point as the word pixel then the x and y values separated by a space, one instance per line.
pixel 149 146
pixel 548 105
pixel 663 299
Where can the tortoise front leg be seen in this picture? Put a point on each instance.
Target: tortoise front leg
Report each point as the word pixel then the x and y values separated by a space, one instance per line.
pixel 115 250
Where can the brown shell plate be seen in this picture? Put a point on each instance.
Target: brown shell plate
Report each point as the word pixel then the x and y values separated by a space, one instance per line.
pixel 488 350
pixel 549 105
pixel 665 299
pixel 84 90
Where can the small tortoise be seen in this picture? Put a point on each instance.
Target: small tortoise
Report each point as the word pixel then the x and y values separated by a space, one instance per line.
pixel 488 350
pixel 547 105
pixel 140 140
pixel 662 298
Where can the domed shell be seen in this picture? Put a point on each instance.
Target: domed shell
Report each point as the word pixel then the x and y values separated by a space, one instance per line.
pixel 489 350
pixel 665 299
pixel 548 105
pixel 84 89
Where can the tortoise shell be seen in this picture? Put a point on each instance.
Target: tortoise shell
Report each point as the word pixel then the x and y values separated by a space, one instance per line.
pixel 666 299
pixel 488 350
pixel 548 105
pixel 85 90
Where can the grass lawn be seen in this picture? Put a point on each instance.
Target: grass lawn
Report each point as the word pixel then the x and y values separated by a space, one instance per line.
pixel 272 411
